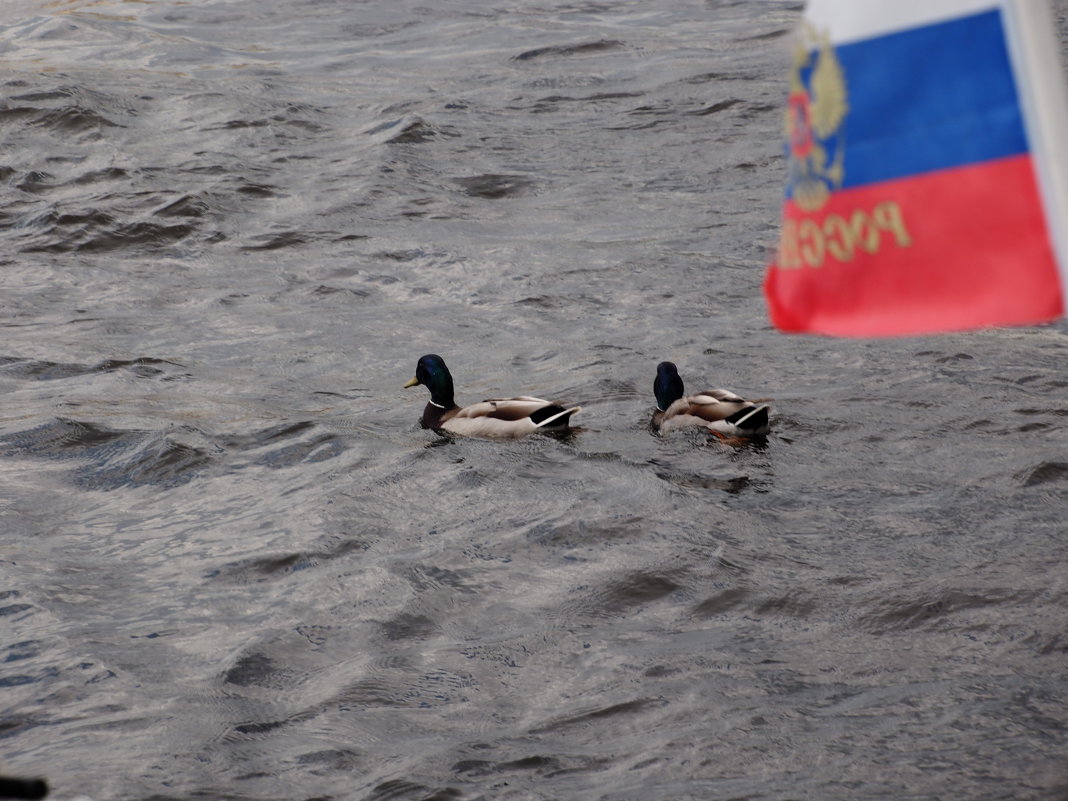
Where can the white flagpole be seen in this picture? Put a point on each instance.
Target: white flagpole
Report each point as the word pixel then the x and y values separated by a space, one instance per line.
pixel 1043 95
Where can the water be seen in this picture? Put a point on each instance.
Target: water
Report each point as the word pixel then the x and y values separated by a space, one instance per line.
pixel 233 566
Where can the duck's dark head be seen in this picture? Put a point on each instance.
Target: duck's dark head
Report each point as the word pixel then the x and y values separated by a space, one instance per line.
pixel 432 373
pixel 668 386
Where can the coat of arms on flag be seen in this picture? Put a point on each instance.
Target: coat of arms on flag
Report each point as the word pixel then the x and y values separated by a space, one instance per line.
pixel 815 109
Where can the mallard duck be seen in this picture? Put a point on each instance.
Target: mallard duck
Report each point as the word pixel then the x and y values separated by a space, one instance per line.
pixel 501 418
pixel 718 410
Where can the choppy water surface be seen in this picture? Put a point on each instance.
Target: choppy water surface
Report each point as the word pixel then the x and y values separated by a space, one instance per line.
pixel 232 566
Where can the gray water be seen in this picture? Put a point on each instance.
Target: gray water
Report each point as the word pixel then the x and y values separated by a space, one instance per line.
pixel 233 566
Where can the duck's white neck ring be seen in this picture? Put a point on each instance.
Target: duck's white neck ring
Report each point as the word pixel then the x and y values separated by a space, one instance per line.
pixel 660 410
pixel 438 405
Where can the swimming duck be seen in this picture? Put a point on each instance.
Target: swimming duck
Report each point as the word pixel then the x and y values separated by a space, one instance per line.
pixel 718 410
pixel 501 418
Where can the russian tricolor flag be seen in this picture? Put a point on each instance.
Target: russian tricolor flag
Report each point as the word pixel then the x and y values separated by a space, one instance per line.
pixel 926 187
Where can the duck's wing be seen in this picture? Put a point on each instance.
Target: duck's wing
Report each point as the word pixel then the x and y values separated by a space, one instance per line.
pixel 714 405
pixel 509 417
pixel 504 408
pixel 719 410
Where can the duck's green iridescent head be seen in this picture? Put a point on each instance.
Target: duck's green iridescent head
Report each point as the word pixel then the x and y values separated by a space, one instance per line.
pixel 668 386
pixel 432 373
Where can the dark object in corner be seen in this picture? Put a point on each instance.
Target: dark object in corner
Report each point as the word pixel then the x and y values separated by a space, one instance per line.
pixel 22 788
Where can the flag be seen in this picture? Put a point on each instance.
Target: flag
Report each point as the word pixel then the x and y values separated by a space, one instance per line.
pixel 926 187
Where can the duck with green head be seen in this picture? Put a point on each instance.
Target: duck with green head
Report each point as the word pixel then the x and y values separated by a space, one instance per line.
pixel 499 418
pixel 718 410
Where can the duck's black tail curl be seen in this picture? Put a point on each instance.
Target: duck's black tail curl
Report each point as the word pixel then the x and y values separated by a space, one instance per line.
pixel 553 416
pixel 750 419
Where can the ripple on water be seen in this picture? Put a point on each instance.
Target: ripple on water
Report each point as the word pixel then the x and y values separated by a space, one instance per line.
pixel 73 120
pixel 1044 473
pixel 935 609
pixel 595 716
pixel 410 129
pixel 113 458
pixel 721 602
pixel 93 232
pixel 492 186
pixel 564 51
pixel 404 790
pixel 619 595
pixel 407 689
pixel 142 367
pixel 276 566
pixel 536 765
pixel 257 670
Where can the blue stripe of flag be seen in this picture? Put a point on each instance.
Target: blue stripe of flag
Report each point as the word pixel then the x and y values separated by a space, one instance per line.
pixel 929 98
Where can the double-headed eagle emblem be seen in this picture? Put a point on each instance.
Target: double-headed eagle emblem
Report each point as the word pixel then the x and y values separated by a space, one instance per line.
pixel 814 114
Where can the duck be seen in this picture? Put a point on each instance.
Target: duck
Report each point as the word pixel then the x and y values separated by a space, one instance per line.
pixel 719 410
pixel 497 418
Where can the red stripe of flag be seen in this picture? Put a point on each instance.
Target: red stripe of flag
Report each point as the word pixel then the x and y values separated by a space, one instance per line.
pixel 911 256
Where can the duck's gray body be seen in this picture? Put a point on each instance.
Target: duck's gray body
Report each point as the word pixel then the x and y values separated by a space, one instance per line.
pixel 718 410
pixel 497 418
